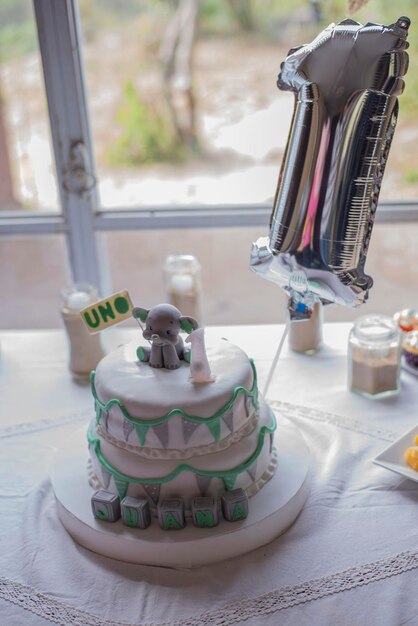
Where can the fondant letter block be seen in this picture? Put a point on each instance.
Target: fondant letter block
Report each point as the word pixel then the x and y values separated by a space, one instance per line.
pixel 205 512
pixel 235 505
pixel 135 512
pixel 105 506
pixel 171 514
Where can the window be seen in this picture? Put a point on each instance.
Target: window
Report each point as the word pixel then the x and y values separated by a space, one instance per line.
pixel 128 191
pixel 27 169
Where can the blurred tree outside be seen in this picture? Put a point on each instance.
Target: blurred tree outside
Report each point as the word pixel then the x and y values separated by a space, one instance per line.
pixel 176 53
pixel 17 37
pixel 155 73
pixel 146 135
pixel 172 33
pixel 188 22
pixel 7 196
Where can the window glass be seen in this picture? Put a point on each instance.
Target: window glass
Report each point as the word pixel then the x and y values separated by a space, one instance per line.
pixel 213 130
pixel 34 270
pixel 232 294
pixel 27 171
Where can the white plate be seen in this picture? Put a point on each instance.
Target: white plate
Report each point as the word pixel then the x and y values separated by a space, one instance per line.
pixel 393 457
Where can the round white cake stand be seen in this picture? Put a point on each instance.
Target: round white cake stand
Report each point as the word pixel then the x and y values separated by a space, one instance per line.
pixel 271 511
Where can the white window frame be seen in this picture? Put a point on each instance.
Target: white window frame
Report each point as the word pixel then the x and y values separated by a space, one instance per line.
pixel 82 219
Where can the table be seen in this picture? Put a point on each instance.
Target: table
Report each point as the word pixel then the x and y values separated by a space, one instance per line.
pixel 350 558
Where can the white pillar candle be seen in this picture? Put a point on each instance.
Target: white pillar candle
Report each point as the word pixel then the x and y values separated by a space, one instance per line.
pixel 78 300
pixel 181 283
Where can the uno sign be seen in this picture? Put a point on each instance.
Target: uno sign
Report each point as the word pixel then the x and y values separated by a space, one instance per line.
pixel 107 312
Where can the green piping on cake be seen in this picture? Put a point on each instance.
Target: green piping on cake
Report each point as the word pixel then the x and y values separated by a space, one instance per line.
pixel 142 425
pixel 228 476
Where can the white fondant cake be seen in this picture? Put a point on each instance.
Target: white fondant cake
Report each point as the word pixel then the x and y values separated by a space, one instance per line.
pixel 157 434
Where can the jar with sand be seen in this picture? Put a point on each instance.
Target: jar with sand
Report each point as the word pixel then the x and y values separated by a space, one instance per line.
pixel 374 357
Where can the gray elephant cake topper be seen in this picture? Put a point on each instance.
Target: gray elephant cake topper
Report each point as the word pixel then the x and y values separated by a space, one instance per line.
pixel 163 324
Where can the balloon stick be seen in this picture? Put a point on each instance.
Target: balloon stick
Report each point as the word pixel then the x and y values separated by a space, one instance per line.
pixel 276 358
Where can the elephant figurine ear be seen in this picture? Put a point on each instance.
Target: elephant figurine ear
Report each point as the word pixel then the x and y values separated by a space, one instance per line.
pixel 137 311
pixel 188 324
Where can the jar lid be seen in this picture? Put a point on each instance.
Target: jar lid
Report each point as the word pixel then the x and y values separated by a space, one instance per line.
pixel 375 329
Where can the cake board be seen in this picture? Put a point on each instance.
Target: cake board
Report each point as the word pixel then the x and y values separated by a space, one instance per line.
pixel 271 512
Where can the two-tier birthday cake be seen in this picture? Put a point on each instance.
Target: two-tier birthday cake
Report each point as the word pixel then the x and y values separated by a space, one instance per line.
pixel 158 434
pixel 180 440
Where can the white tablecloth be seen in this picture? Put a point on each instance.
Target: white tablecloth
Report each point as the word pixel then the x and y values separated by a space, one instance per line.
pixel 350 558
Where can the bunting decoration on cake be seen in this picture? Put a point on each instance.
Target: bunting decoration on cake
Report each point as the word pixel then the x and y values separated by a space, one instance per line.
pixel 229 481
pixel 228 418
pixel 106 476
pixel 106 419
pixel 121 486
pixel 252 471
pixel 141 431
pixel 190 423
pixel 152 491
pixel 127 428
pixel 215 429
pixel 161 431
pixel 203 483
pixel 248 405
pixel 188 429
pixel 152 485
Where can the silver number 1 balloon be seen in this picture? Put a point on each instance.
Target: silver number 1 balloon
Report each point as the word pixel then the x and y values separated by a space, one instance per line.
pixel 346 84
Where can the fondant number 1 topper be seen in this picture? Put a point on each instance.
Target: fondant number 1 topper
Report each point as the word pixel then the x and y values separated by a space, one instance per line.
pixel 107 312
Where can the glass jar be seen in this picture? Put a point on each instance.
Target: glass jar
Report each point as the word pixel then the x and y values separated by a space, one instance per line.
pixel 374 356
pixel 183 284
pixel 85 349
pixel 306 335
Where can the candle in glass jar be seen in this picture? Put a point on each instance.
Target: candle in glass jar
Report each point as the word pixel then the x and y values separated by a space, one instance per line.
pixel 182 278
pixel 85 349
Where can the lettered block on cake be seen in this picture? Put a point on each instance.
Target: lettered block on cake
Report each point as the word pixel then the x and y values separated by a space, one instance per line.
pixel 135 512
pixel 171 514
pixel 235 505
pixel 105 506
pixel 204 512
